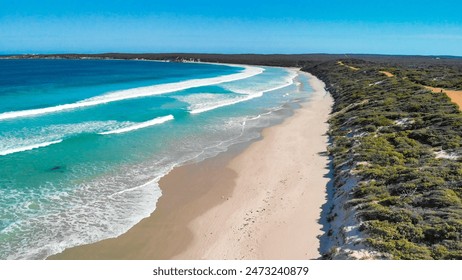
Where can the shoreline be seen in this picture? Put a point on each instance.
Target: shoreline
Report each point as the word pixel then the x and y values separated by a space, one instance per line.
pixel 241 204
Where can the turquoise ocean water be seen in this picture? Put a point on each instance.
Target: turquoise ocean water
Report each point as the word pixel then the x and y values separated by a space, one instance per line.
pixel 84 142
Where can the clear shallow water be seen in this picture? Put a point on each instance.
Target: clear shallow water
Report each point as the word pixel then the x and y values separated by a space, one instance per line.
pixel 78 174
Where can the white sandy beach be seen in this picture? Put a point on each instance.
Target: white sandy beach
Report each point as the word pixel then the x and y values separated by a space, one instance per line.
pixel 280 188
pixel 261 203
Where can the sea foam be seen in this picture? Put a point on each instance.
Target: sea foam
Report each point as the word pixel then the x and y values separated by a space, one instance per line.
pixel 202 109
pixel 26 139
pixel 28 148
pixel 136 93
pixel 137 126
pixel 246 95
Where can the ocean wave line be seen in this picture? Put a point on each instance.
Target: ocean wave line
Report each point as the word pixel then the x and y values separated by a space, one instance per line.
pixel 248 97
pixel 27 148
pixel 136 93
pixel 227 103
pixel 152 122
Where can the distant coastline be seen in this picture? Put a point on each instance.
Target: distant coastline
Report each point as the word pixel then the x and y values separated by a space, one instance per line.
pixel 283 60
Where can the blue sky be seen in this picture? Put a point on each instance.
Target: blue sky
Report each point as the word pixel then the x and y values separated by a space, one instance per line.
pixel 286 26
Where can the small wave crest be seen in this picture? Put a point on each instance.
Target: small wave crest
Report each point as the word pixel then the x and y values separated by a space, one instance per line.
pixel 201 108
pixel 137 126
pixel 36 137
pixel 27 148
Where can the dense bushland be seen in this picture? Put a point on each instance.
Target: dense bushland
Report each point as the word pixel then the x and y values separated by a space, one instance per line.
pixel 403 144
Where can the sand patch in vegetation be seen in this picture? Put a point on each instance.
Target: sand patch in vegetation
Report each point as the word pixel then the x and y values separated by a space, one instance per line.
pixel 455 95
pixel 386 73
pixel 351 67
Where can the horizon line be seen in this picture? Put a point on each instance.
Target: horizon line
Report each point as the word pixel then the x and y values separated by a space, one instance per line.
pixel 225 54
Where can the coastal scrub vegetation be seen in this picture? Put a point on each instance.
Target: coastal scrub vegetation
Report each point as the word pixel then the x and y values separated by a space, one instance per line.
pixel 440 76
pixel 402 144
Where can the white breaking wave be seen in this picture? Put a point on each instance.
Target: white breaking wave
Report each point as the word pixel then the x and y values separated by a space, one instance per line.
pixel 262 85
pixel 224 103
pixel 28 138
pixel 247 96
pixel 140 125
pixel 136 93
pixel 27 148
